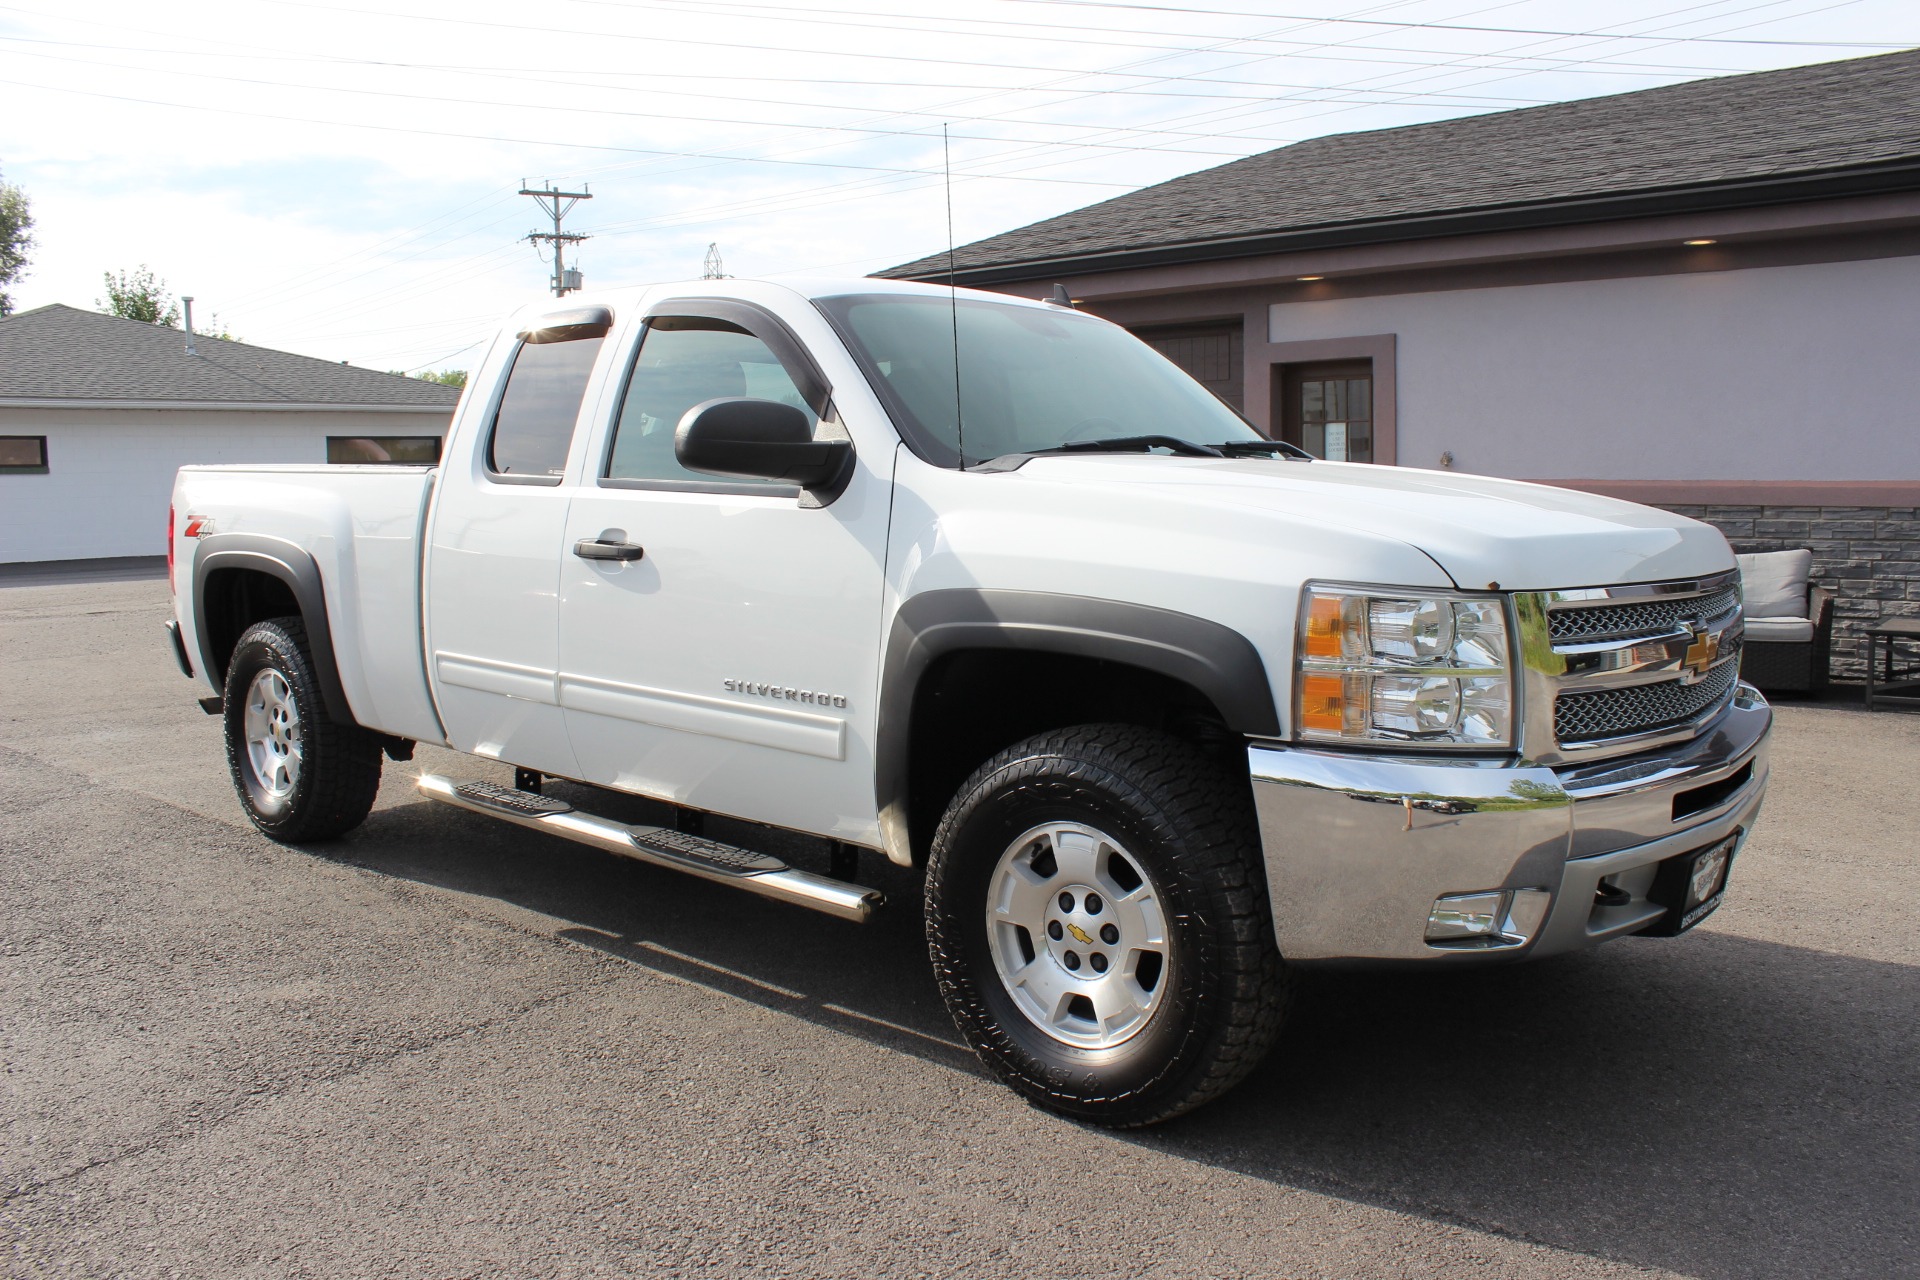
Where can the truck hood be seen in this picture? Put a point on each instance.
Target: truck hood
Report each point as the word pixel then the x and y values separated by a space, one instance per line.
pixel 1482 530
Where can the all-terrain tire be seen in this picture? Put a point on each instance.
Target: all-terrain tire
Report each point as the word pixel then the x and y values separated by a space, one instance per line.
pixel 1177 821
pixel 300 776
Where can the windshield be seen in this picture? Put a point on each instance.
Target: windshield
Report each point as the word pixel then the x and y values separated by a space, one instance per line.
pixel 1031 379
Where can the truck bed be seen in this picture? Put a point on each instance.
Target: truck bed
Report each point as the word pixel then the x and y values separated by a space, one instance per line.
pixel 362 525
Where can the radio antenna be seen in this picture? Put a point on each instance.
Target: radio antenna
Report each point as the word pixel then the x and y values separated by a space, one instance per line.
pixel 953 303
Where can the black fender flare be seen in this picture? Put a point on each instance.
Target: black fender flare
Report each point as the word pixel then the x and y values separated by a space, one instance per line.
pixel 1209 656
pixel 291 564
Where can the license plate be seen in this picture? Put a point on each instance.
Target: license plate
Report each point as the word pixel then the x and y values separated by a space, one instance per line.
pixel 1690 887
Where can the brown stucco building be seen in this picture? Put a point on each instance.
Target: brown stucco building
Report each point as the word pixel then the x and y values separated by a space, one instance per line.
pixel 1704 296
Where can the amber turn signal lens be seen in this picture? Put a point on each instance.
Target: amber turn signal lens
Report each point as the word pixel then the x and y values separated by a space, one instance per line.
pixel 1323 627
pixel 1323 701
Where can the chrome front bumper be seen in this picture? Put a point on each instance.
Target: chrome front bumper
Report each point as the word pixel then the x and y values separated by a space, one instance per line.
pixel 1359 847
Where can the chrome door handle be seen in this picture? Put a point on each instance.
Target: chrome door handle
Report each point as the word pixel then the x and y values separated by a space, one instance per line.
pixel 594 549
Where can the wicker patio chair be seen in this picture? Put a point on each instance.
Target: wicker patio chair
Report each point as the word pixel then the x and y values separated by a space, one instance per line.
pixel 1789 639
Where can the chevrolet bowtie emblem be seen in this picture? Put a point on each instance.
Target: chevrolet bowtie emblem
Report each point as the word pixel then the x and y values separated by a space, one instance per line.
pixel 1701 653
pixel 1080 935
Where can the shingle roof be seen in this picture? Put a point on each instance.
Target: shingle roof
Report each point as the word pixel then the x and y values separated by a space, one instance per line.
pixel 1736 136
pixel 63 353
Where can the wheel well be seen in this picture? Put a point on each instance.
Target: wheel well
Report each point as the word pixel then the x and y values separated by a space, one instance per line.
pixel 234 600
pixel 973 703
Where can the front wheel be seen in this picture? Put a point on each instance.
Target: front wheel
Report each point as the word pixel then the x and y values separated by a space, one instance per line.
pixel 300 776
pixel 1097 916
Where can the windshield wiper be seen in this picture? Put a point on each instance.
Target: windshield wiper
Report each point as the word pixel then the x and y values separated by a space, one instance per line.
pixel 1110 444
pixel 1248 448
pixel 1132 444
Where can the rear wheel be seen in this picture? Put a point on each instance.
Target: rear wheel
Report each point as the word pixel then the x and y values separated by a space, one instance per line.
pixel 1097 916
pixel 300 776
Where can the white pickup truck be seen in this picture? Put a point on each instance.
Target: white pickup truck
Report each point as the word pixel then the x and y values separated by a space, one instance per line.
pixel 1165 709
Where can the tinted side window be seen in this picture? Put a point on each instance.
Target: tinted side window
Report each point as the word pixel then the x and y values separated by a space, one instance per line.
pixel 534 426
pixel 683 361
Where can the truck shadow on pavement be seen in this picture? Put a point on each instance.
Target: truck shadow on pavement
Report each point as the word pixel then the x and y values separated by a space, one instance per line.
pixel 1714 1105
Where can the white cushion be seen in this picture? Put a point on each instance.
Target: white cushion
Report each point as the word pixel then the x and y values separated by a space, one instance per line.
pixel 1775 583
pixel 1780 630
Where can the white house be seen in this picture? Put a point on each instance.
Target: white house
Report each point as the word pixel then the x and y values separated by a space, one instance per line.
pixel 98 412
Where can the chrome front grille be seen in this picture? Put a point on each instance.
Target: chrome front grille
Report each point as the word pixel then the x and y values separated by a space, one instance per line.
pixel 1641 618
pixel 1625 668
pixel 1612 713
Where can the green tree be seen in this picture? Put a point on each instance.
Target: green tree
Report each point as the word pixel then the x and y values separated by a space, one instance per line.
pixel 16 225
pixel 445 377
pixel 139 295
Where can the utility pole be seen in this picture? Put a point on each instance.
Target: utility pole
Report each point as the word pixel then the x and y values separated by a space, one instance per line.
pixel 557 204
pixel 713 268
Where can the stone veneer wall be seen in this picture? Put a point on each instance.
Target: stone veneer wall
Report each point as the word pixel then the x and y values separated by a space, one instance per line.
pixel 1869 557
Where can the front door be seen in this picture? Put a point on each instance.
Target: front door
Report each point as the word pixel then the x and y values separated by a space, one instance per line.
pixel 1327 409
pixel 733 666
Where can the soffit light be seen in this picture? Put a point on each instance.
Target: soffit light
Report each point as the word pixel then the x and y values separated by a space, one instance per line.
pixel 1702 240
pixel 1308 279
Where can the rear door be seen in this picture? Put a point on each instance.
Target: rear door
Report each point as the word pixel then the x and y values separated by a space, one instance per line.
pixel 733 666
pixel 493 559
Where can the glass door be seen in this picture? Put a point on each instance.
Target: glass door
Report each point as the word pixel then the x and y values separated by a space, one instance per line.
pixel 1328 409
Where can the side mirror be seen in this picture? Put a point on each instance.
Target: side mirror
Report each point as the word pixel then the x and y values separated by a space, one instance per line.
pixel 761 439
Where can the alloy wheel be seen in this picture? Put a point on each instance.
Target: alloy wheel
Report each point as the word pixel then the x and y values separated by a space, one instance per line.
pixel 1078 935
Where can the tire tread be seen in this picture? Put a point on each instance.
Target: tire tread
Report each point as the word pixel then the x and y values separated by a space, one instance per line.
pixel 1207 825
pixel 341 762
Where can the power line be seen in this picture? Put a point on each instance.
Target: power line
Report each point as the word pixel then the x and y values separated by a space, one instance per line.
pixel 395 241
pixel 1084 92
pixel 1078 35
pixel 576 77
pixel 572 75
pixel 1309 95
pixel 644 115
pixel 788 201
pixel 1449 26
pixel 536 142
pixel 730 45
pixel 1429 71
pixel 459 271
pixel 904 178
pixel 895 181
pixel 442 359
pixel 1126 130
pixel 1011 89
pixel 1081 93
pixel 661 223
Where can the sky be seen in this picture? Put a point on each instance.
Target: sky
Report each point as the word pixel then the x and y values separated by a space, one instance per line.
pixel 340 179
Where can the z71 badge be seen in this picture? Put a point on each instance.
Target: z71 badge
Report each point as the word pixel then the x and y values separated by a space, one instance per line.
pixel 785 693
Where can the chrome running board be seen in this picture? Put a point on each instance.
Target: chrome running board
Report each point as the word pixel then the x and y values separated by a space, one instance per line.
pixel 659 846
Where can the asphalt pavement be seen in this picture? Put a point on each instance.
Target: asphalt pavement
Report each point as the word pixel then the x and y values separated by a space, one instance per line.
pixel 447 1047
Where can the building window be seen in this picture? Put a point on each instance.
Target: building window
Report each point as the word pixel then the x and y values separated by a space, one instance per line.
pixel 410 451
pixel 1212 355
pixel 23 455
pixel 1327 409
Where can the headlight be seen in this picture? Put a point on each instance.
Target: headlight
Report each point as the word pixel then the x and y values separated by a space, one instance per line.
pixel 1412 666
